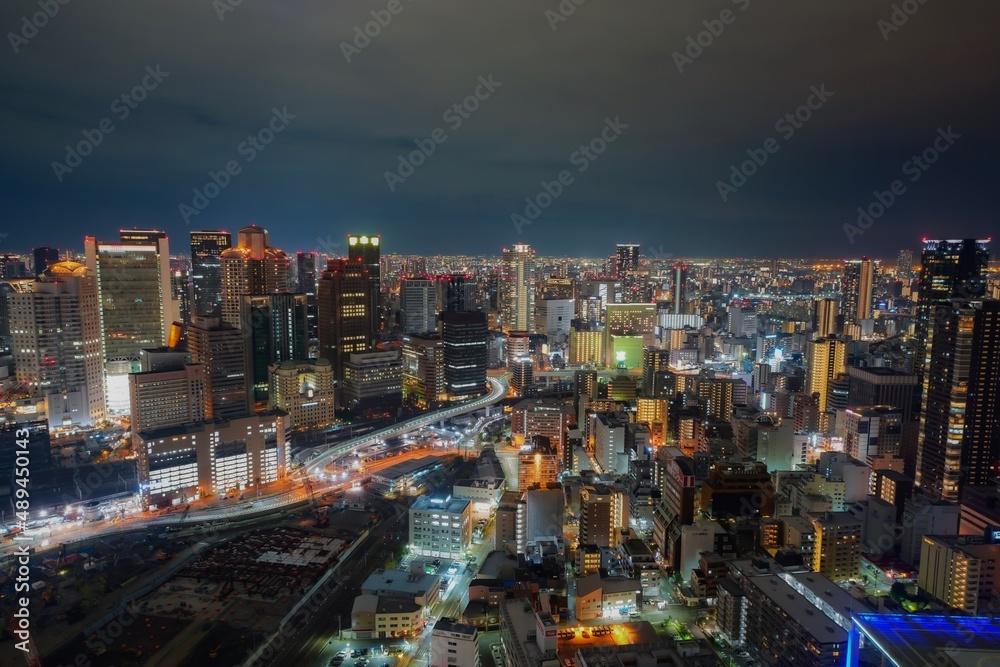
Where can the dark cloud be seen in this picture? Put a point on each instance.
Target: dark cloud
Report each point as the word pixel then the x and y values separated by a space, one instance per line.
pixel 656 184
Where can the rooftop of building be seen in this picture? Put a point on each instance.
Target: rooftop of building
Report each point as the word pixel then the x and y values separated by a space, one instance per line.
pixel 543 404
pixel 198 427
pixel 640 650
pixel 454 627
pixel 798 609
pixel 491 483
pixel 974 546
pixel 409 467
pixel 447 504
pixel 911 640
pixel 835 519
pixel 411 583
pixel 593 582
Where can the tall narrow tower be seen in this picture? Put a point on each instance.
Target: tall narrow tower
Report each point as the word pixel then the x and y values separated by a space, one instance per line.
pixel 517 288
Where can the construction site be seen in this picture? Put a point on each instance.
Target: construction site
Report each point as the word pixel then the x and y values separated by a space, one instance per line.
pixel 180 596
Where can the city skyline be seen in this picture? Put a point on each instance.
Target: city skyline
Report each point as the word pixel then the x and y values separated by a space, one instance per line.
pixel 348 115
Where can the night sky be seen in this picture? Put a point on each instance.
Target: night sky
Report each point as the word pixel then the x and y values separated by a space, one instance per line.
pixel 552 84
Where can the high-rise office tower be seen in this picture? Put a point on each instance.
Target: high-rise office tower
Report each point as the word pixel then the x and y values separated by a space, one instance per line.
pixel 418 298
pixel 517 288
pixel 825 317
pixel 141 236
pixel 136 302
pixel 627 328
pixel 626 267
pixel 423 372
pixel 56 343
pixel 959 441
pixel 207 247
pixel 679 287
pixel 952 269
pixel 251 267
pixel 858 290
pixel 180 290
pixel 465 353
pixel 368 251
pixel 12 266
pixel 133 285
pixel 44 257
pixel 307 272
pixel 626 258
pixel 275 329
pixel 904 263
pixel 461 292
pixel 827 360
pixel 219 348
pixel 169 396
pixel 343 304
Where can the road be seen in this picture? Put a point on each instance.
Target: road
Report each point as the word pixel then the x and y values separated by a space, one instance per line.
pixel 317 463
pixel 60 534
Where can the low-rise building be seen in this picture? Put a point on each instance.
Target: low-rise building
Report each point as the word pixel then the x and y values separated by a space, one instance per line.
pixel 454 644
pixel 419 587
pixel 605 597
pixel 183 462
pixel 376 617
pixel 440 527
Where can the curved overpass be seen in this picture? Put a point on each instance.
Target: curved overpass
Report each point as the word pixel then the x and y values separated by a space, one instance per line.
pixel 498 391
pixel 267 506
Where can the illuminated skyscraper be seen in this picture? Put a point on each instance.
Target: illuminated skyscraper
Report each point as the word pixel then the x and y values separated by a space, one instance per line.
pixel 344 302
pixel 465 353
pixel 461 292
pixel 275 329
pixel 680 288
pixel 417 297
pixel 626 258
pixel 368 251
pixel 219 348
pixel 251 267
pixel 827 360
pixel 959 440
pixel 56 334
pixel 825 317
pixel 207 247
pixel 952 269
pixel 43 258
pixel 517 288
pixel 628 327
pixel 857 288
pixel 137 307
pixel 904 263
